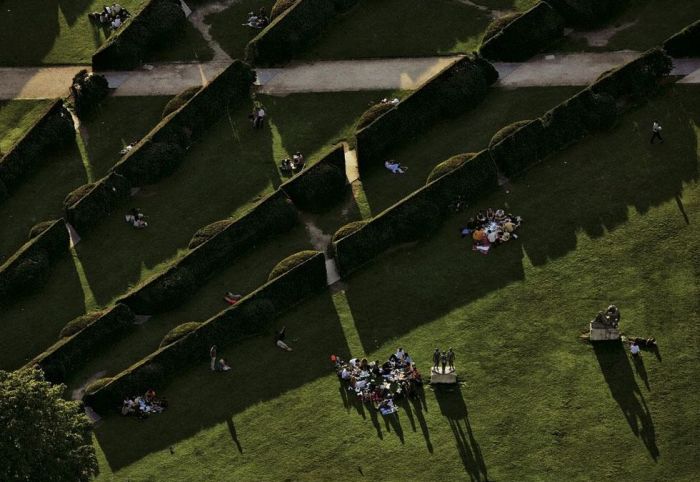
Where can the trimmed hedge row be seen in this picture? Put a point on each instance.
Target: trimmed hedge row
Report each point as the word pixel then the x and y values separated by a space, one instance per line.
pixel 73 351
pixel 449 165
pixel 161 151
pixel 525 35
pixel 292 29
pixel 414 217
pixel 291 262
pixel 214 248
pixel 587 12
pixel 320 186
pixel 28 268
pixel 179 100
pixel 53 129
pixel 158 22
pixel 685 43
pixel 251 316
pixel 457 88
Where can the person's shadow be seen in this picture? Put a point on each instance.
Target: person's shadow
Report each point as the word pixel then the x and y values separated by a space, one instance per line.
pixel 452 407
pixel 619 376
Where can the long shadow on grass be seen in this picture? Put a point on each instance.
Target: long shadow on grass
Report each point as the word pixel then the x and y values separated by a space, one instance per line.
pixel 27 31
pixel 624 389
pixel 453 408
pixel 200 398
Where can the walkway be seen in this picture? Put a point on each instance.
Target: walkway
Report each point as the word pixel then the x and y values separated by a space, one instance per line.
pixel 326 76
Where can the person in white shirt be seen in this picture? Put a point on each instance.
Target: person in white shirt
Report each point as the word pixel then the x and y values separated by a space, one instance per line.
pixel 259 118
pixel 492 236
pixel 116 23
pixel 656 132
pixel 634 349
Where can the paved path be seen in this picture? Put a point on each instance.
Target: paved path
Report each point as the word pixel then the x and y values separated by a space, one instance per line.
pixel 329 76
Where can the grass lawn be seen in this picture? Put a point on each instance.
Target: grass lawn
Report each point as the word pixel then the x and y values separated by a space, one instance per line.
pixel 470 132
pixel 59 32
pixel 602 224
pixel 643 24
pixel 227 27
pixel 226 172
pixel 16 117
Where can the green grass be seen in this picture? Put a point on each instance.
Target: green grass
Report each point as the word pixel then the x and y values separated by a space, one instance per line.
pixel 16 117
pixel 226 172
pixel 604 222
pixel 647 24
pixel 59 32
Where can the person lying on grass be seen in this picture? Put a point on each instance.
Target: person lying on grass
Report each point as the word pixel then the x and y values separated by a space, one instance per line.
pixel 395 167
pixel 231 298
pixel 279 339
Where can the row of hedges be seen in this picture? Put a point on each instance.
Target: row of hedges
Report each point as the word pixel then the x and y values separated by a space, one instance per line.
pixel 321 185
pixel 251 316
pixel 523 35
pixel 457 88
pixel 54 129
pixel 158 22
pixel 213 247
pixel 513 151
pixel 160 152
pixel 293 30
pixel 82 339
pixel 685 43
pixel 29 267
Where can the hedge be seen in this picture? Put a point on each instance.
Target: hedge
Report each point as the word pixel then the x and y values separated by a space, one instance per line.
pixel 587 12
pixel 371 114
pixel 272 216
pixel 178 332
pixel 91 203
pixel 524 36
pixel 280 7
pixel 28 268
pixel 449 165
pixel 209 231
pixel 457 88
pixel 416 216
pixel 39 228
pixel 320 186
pixel 95 385
pixel 293 30
pixel 499 24
pixel 158 22
pixel 82 339
pixel 251 316
pixel 685 43
pixel 161 151
pixel 52 130
pixel 347 230
pixel 87 91
pixel 180 99
pixel 291 262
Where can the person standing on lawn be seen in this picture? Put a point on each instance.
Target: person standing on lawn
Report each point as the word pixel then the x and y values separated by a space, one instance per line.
pixel 656 132
pixel 436 358
pixel 212 355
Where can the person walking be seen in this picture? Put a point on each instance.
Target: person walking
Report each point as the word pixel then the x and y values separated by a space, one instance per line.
pixel 451 359
pixel 212 355
pixel 436 358
pixel 634 349
pixel 656 132
pixel 260 118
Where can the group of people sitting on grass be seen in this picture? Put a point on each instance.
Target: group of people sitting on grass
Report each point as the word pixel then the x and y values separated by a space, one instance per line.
pixel 294 165
pixel 257 117
pixel 491 229
pixel 136 218
pixel 259 21
pixel 380 384
pixel 112 17
pixel 143 406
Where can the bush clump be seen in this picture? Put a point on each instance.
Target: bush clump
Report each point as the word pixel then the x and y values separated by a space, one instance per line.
pixel 280 7
pixel 317 188
pixel 77 324
pixel 207 232
pixel 291 262
pixel 348 229
pixel 685 43
pixel 449 165
pixel 87 91
pixel 89 204
pixel 96 385
pixel 77 194
pixel 371 114
pixel 506 131
pixel 179 100
pixel 179 331
pixel 39 228
pixel 499 24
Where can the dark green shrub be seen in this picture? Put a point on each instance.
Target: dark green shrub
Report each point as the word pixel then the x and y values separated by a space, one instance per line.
pixel 155 161
pixel 685 43
pixel 86 206
pixel 499 24
pixel 525 35
pixel 291 262
pixel 506 131
pixel 319 187
pixel 179 331
pixel 347 230
pixel 180 99
pixel 96 385
pixel 28 273
pixel 39 228
pixel 79 323
pixel 587 13
pixel 416 220
pixel 521 149
pixel 77 194
pixel 280 7
pixel 207 232
pixel 371 114
pixel 4 193
pixel 449 165
pixel 87 91
pixel 166 291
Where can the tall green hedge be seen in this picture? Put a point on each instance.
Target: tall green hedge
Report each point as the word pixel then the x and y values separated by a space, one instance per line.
pixel 292 30
pixel 454 90
pixel 525 35
pixel 180 99
pixel 157 24
pixel 685 43
pixel 91 203
pixel 85 337
pixel 637 79
pixel 291 262
pixel 251 316
pixel 51 131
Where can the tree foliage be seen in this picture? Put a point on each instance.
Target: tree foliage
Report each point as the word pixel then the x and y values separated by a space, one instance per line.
pixel 44 437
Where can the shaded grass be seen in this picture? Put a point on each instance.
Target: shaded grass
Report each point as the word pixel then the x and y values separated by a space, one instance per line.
pixel 534 398
pixel 227 29
pixel 470 132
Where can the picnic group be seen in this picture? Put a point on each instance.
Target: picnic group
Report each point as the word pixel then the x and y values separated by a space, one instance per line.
pixel 491 229
pixel 380 384
pixel 112 17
